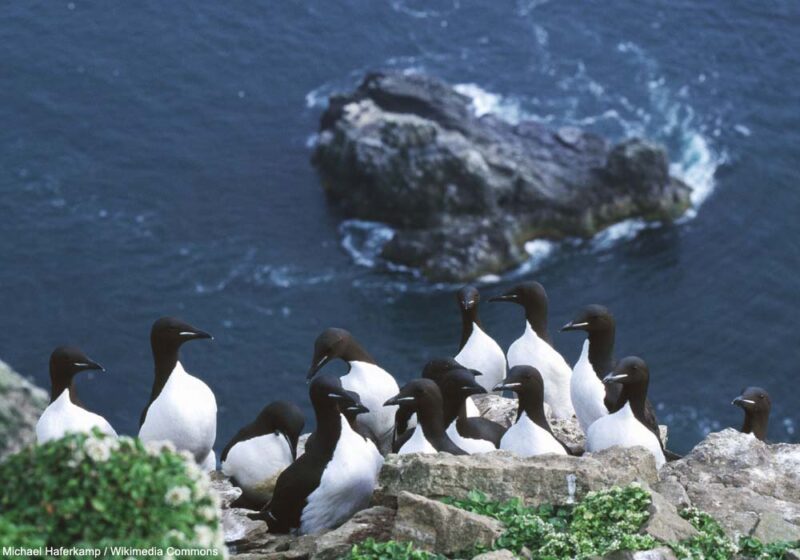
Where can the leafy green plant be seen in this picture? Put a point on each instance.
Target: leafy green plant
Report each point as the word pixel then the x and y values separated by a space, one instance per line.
pixel 391 550
pixel 96 491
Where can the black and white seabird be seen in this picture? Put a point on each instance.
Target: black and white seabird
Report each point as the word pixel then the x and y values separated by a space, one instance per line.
pixel 434 370
pixel 372 383
pixel 472 434
pixel 756 405
pixel 259 452
pixel 336 475
pixel 478 350
pixel 530 435
pixel 425 399
pixel 534 347
pixel 591 397
pixel 351 410
pixel 65 413
pixel 624 427
pixel 182 409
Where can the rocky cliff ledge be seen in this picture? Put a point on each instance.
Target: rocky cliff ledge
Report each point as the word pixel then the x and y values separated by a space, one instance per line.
pixel 465 192
pixel 752 489
pixel 21 403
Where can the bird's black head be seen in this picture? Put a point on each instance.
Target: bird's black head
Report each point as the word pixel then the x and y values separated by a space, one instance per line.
pixel 416 394
pixel 65 362
pixel 593 318
pixel 437 368
pixel 523 379
pixel 354 407
pixel 530 295
pixel 468 298
pixel 335 343
pixel 629 371
pixel 326 392
pixel 285 417
pixel 459 384
pixel 753 399
pixel 169 333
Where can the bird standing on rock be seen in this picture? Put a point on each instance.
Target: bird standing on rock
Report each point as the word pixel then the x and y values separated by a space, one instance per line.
pixel 259 452
pixel 534 348
pixel 423 397
pixel 530 435
pixel 472 434
pixel 336 475
pixel 65 413
pixel 182 408
pixel 625 427
pixel 478 350
pixel 365 377
pixel 756 405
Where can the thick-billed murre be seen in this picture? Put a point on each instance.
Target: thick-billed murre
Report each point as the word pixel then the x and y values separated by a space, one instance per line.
pixel 259 452
pixel 372 383
pixel 756 405
pixel 624 427
pixel 472 434
pixel 65 413
pixel 530 435
pixel 534 347
pixel 424 398
pixel 336 475
pixel 478 350
pixel 182 408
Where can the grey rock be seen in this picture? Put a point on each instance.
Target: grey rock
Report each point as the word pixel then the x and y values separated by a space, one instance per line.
pixel 793 554
pixel 673 491
pixel 664 523
pixel 741 481
pixel 501 475
pixel 237 527
pixel 501 554
pixel 772 527
pixel 21 404
pixel 441 528
pixel 463 192
pixel 662 553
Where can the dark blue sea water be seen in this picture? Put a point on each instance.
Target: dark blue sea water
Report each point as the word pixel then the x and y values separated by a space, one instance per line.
pixel 154 159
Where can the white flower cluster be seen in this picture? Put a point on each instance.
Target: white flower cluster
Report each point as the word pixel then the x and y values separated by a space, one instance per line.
pixel 155 448
pixel 99 449
pixel 178 495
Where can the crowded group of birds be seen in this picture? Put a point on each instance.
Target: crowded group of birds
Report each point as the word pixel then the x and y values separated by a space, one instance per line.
pixel 364 414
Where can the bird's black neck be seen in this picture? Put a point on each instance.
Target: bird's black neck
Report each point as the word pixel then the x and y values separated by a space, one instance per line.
pixel 537 319
pixel 635 394
pixel 756 423
pixel 533 407
pixel 601 350
pixel 469 319
pixel 59 384
pixel 329 428
pixel 357 353
pixel 165 359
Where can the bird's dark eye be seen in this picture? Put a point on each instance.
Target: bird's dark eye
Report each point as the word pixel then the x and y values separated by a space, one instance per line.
pixel 760 396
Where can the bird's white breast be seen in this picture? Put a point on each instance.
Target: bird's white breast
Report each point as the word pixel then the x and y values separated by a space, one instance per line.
pixel 257 462
pixel 346 484
pixel 62 416
pixel 531 350
pixel 482 353
pixel 623 429
pixel 470 445
pixel 375 386
pixel 527 439
pixel 185 413
pixel 587 391
pixel 417 443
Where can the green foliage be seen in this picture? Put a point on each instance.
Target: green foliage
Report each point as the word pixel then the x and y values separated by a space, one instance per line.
pixel 392 550
pixel 713 544
pixel 96 491
pixel 605 521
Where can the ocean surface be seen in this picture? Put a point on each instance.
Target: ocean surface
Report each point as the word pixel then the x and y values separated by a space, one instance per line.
pixel 154 159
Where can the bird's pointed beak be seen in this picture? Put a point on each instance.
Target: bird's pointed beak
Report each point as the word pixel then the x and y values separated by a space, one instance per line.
pixel 742 402
pixel 475 372
pixel 574 326
pixel 512 298
pixel 398 399
pixel 92 365
pixel 505 386
pixel 614 378
pixel 358 409
pixel 474 390
pixel 318 365
pixel 195 334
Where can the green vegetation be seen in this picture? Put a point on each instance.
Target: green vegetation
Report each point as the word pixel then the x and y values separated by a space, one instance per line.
pixel 603 522
pixel 93 491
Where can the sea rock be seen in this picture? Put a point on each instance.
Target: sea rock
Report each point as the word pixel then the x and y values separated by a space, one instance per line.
pixel 750 487
pixel 21 404
pixel 441 528
pixel 465 192
pixel 501 475
pixel 501 554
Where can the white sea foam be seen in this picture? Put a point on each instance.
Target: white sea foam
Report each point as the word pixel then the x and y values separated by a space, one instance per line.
pixel 364 240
